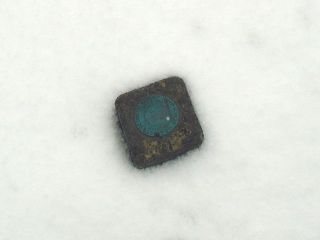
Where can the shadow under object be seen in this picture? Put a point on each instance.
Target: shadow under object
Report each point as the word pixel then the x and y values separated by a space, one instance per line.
pixel 158 122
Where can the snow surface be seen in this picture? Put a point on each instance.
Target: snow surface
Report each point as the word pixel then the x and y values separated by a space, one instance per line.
pixel 252 68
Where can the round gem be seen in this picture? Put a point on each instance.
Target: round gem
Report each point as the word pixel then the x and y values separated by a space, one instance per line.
pixel 157 115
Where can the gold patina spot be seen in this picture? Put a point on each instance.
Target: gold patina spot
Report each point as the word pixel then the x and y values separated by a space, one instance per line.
pixel 151 148
pixel 154 148
pixel 176 139
pixel 163 84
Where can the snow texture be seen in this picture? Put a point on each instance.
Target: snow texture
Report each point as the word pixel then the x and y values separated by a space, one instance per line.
pixel 252 68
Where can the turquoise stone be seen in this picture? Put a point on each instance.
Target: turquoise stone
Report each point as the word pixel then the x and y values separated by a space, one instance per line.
pixel 157 115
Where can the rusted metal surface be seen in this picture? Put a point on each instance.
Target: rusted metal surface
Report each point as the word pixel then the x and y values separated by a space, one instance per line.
pixel 158 122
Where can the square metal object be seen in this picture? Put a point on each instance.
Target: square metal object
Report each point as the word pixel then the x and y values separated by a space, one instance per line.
pixel 158 122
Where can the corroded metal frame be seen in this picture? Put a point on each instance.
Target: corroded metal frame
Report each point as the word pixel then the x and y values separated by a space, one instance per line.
pixel 145 150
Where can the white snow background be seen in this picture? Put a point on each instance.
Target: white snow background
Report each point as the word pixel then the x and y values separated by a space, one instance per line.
pixel 253 71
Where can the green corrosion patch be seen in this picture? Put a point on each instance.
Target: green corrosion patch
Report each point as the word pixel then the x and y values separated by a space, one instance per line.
pixel 157 115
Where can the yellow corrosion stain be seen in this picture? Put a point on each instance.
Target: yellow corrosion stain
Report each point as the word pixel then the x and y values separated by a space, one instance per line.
pixel 163 84
pixel 177 138
pixel 154 148
pixel 151 148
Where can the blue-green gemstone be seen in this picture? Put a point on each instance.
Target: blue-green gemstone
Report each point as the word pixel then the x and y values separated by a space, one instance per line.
pixel 157 115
